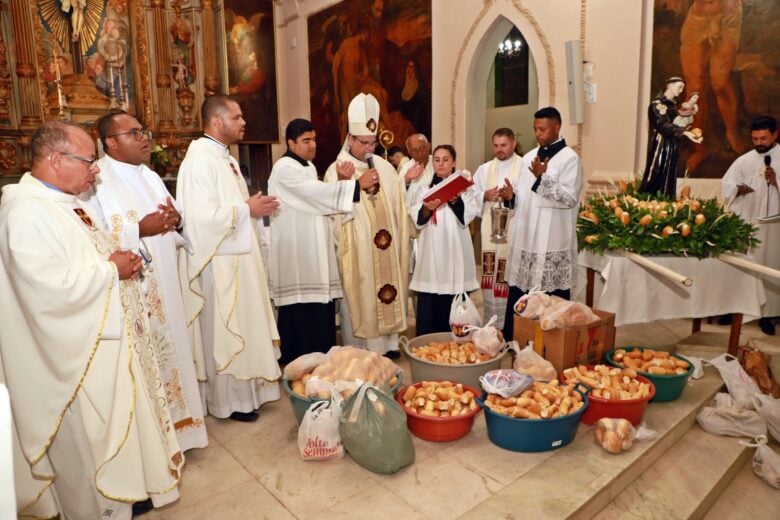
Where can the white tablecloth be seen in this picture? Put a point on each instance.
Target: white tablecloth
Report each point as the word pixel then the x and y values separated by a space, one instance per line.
pixel 637 295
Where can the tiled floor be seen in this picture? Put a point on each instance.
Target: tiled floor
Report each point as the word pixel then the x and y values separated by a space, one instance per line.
pixel 253 471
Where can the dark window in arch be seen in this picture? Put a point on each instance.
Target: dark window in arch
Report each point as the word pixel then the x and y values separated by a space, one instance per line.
pixel 511 65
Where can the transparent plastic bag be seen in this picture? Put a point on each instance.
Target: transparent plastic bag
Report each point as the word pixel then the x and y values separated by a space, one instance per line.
pixel 529 362
pixel 533 304
pixel 564 313
pixel 766 463
pixel 302 365
pixel 614 435
pixel 769 410
pixel 740 385
pixel 463 313
pixel 488 339
pixel 729 417
pixel 318 434
pixel 352 364
pixel 505 382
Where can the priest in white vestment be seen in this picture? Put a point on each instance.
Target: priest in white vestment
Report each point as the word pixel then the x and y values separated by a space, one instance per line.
pixel 749 189
pixel 489 178
pixel 302 261
pixel 239 350
pixel 445 266
pixel 543 238
pixel 86 393
pixel 373 241
pixel 139 214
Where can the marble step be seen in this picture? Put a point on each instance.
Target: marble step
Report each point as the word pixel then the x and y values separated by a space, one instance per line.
pixel 746 497
pixel 685 482
pixel 581 479
pixel 708 345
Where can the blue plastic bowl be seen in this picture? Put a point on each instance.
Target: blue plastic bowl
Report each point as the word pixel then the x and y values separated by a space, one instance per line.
pixel 531 435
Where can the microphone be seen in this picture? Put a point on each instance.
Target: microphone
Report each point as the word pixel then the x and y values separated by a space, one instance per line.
pixel 370 160
pixel 767 163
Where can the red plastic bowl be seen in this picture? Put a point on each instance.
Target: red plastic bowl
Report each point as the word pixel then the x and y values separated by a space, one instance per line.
pixel 631 409
pixel 439 429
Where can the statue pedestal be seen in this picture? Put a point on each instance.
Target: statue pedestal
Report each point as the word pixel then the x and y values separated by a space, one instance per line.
pixel 85 102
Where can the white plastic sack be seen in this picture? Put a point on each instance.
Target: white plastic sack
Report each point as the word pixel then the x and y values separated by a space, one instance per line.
pixel 740 385
pixel 766 463
pixel 486 339
pixel 318 434
pixel 769 410
pixel 729 417
pixel 529 362
pixel 463 313
pixel 505 382
pixel 302 365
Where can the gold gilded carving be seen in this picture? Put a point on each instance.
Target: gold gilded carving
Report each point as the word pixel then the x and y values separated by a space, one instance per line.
pixel 7 156
pixel 30 91
pixel 163 66
pixel 210 77
pixel 5 79
pixel 142 65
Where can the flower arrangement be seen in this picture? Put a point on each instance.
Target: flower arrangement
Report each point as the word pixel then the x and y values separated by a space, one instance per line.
pixel 160 159
pixel 657 225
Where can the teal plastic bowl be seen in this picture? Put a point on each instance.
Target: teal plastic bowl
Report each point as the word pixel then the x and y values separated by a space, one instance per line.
pixel 531 435
pixel 667 388
pixel 301 404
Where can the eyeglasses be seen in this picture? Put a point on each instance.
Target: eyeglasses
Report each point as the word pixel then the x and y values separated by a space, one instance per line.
pixel 87 160
pixel 138 134
pixel 365 143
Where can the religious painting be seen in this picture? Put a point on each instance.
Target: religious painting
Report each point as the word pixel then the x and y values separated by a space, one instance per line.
pixel 183 66
pixel 87 42
pixel 728 55
pixel 379 47
pixel 251 66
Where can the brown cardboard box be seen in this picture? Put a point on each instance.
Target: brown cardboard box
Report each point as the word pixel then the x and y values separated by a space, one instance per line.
pixel 565 348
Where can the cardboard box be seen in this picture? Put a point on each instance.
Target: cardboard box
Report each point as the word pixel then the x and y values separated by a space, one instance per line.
pixel 565 348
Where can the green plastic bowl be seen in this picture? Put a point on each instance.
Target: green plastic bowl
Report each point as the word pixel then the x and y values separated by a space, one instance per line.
pixel 301 404
pixel 667 388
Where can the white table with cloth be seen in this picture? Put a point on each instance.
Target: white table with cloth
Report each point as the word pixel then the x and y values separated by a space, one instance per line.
pixel 638 295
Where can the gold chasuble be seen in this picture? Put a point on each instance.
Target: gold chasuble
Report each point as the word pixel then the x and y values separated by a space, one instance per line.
pixel 373 253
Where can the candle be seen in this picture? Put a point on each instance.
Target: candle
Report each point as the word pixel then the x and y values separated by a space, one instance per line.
pixel 125 87
pixel 55 57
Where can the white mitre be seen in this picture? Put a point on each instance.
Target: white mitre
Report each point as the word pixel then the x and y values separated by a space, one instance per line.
pixel 363 115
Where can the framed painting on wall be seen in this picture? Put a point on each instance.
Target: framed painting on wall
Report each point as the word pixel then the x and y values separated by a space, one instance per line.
pixel 725 53
pixel 379 47
pixel 251 66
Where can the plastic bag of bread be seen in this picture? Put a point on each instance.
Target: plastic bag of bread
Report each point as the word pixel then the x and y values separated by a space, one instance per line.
pixel 302 365
pixel 351 364
pixel 614 435
pixel 529 362
pixel 533 304
pixel 769 410
pixel 463 314
pixel 505 382
pixel 766 463
pixel 562 313
pixel 488 339
pixel 728 417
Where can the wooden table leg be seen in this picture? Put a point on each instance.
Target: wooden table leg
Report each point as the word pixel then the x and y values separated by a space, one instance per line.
pixel 696 325
pixel 736 328
pixel 589 287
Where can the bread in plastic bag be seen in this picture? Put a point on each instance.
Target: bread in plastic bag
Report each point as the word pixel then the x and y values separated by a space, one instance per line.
pixel 529 362
pixel 565 313
pixel 769 410
pixel 318 434
pixel 352 364
pixel 463 313
pixel 505 382
pixel 614 435
pixel 488 339
pixel 532 305
pixel 728 417
pixel 302 365
pixel 740 385
pixel 766 463
pixel 374 432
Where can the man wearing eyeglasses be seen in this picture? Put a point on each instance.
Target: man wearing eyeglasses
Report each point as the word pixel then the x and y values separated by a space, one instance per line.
pixel 373 241
pixel 238 354
pixel 139 214
pixel 89 409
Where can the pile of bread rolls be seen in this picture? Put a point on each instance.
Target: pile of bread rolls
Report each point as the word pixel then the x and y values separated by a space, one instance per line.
pixel 450 353
pixel 541 401
pixel 608 382
pixel 614 435
pixel 656 362
pixel 439 399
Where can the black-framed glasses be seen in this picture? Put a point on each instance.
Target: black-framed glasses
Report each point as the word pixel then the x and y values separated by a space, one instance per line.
pixel 137 133
pixel 365 143
pixel 87 160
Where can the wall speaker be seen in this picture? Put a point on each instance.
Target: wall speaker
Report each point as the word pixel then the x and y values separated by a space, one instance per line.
pixel 576 86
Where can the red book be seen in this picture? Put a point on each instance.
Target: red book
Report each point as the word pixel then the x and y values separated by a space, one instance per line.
pixel 449 188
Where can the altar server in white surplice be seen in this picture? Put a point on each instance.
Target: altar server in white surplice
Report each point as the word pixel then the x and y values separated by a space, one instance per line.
pixel 489 178
pixel 543 237
pixel 749 188
pixel 75 344
pixel 372 242
pixel 139 214
pixel 445 266
pixel 234 317
pixel 302 261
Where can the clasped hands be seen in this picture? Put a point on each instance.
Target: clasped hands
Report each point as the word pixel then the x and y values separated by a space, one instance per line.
pixel 128 264
pixel 500 194
pixel 165 219
pixel 370 178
